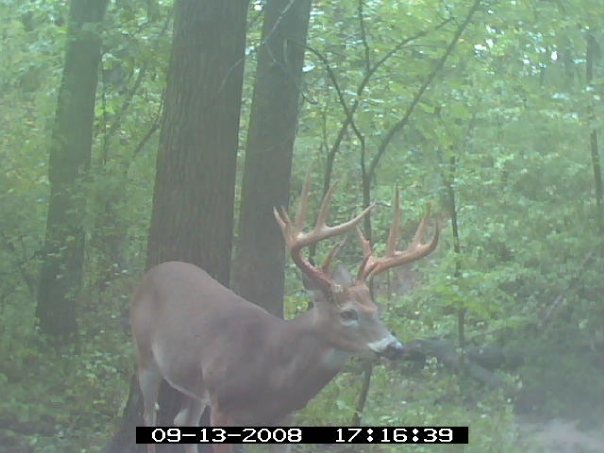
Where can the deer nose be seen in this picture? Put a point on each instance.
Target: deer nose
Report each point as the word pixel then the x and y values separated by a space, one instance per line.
pixel 394 350
pixel 388 347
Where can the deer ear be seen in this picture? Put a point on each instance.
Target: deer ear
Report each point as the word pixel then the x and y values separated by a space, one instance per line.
pixel 308 284
pixel 312 288
pixel 320 295
pixel 342 276
pixel 341 279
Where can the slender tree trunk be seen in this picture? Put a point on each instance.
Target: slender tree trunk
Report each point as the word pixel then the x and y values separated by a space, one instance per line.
pixel 259 266
pixel 593 135
pixel 192 217
pixel 70 151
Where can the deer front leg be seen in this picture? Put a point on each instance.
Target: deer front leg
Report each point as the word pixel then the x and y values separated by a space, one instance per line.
pixel 219 418
pixel 189 415
pixel 149 380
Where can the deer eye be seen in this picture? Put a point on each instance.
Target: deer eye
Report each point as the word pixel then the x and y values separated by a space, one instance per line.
pixel 349 315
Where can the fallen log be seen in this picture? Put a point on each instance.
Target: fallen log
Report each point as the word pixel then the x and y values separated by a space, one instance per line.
pixel 446 353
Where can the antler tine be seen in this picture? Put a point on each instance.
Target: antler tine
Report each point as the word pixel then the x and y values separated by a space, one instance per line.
pixel 284 223
pixel 332 254
pixel 279 220
pixel 419 235
pixel 300 218
pixel 434 242
pixel 365 245
pixel 324 210
pixel 327 231
pixel 368 262
pixel 421 229
pixel 372 266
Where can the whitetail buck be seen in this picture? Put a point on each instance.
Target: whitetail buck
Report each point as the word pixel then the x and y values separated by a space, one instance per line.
pixel 249 366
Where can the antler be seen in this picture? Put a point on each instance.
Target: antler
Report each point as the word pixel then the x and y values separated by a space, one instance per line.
pixel 296 239
pixel 373 265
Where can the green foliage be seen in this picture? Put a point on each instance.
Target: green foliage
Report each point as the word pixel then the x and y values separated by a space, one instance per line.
pixel 69 400
pixel 56 401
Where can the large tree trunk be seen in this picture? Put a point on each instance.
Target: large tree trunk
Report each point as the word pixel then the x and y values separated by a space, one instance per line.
pixel 259 267
pixel 192 217
pixel 70 152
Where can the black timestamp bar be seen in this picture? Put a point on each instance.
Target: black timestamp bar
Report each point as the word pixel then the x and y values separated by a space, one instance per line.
pixel 303 435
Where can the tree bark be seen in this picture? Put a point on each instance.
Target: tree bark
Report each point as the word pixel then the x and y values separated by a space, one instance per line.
pixel 192 216
pixel 260 260
pixel 70 152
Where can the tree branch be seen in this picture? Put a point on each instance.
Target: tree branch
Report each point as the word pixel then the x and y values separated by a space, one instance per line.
pixel 405 119
pixel 364 82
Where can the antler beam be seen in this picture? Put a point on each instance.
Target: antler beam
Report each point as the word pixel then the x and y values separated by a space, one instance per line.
pixel 296 239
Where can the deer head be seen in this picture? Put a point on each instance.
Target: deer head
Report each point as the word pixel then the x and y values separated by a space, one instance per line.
pixel 345 310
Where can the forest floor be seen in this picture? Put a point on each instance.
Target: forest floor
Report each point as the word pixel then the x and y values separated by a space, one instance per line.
pixel 560 436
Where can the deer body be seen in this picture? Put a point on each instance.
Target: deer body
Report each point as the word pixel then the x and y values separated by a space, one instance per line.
pixel 249 366
pixel 196 313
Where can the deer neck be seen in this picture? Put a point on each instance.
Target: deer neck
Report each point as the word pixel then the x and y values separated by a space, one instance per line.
pixel 304 337
pixel 301 362
pixel 305 358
